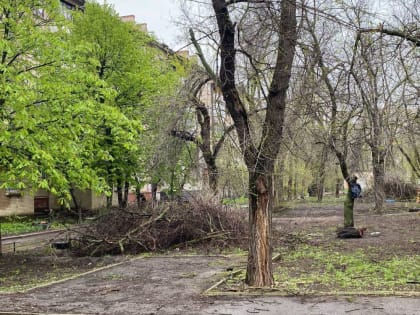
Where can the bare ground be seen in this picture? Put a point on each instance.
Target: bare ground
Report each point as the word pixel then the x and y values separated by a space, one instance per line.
pixel 174 283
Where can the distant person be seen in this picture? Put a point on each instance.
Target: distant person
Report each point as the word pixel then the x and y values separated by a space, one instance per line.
pixel 356 189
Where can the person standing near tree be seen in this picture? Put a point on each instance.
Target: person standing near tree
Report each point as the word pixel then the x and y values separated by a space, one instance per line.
pixel 356 189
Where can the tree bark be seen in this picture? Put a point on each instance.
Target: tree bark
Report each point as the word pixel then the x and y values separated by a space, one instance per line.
pixel 139 197
pixel 378 162
pixel 76 205
pixel 259 267
pixel 348 208
pixel 120 194
pixel 289 187
pixel 154 191
pixel 126 191
pixel 321 173
pixel 348 201
pixel 109 200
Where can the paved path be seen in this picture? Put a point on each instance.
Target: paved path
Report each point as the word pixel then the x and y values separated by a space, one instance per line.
pixel 173 285
pixel 30 240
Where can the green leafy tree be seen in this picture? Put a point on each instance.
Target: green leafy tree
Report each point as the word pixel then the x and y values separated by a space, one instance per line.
pixel 46 102
pixel 140 75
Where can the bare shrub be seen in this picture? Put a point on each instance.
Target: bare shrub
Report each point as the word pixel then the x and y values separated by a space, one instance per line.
pixel 199 222
pixel 397 189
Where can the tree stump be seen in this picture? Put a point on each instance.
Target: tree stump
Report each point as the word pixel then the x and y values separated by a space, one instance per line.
pixel 350 232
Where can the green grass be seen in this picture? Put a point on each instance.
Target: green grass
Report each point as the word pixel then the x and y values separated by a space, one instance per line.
pixel 312 269
pixel 19 225
pixel 235 201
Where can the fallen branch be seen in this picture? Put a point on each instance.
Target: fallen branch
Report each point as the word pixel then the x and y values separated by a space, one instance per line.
pixel 175 224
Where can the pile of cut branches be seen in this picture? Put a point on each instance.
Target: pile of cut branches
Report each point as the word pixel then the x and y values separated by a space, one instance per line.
pixel 166 226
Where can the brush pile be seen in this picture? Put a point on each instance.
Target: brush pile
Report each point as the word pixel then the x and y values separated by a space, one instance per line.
pixel 166 226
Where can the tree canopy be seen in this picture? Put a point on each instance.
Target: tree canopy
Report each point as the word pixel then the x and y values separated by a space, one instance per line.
pixel 75 95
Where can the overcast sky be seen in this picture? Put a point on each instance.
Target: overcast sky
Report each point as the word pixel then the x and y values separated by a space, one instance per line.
pixel 156 13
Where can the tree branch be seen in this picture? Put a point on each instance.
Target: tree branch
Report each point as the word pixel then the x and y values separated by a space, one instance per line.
pixel 415 39
pixel 200 54
pixel 37 67
pixel 184 135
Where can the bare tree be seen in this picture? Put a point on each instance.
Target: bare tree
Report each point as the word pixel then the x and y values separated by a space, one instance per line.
pixel 259 156
pixel 332 105
pixel 207 142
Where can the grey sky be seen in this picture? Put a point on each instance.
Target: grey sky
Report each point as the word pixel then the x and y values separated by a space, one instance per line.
pixel 156 13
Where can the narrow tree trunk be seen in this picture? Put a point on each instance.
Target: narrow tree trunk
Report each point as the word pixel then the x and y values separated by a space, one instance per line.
pixel 280 187
pixel 337 187
pixel 154 193
pixel 302 188
pixel 321 174
pixel 76 205
pixel 348 208
pixel 109 200
pixel 259 268
pixel 126 191
pixel 213 176
pixel 120 194
pixel 378 162
pixel 138 197
pixel 348 201
pixel 320 189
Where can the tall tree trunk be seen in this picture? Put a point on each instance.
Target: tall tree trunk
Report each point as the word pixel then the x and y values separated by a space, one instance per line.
pixel 126 191
pixel 154 193
pixel 321 173
pixel 348 201
pixel 348 208
pixel 289 187
pixel 213 179
pixel 259 268
pixel 378 161
pixel 120 194
pixel 76 205
pixel 139 197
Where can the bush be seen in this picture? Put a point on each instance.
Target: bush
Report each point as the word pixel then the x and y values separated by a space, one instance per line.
pixel 399 190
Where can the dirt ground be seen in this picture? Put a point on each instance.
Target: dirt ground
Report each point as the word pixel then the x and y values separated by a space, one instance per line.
pixel 174 283
pixel 395 231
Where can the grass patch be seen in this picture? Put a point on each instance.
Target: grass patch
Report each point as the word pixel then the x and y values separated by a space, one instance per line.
pixel 312 270
pixel 240 201
pixel 19 225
